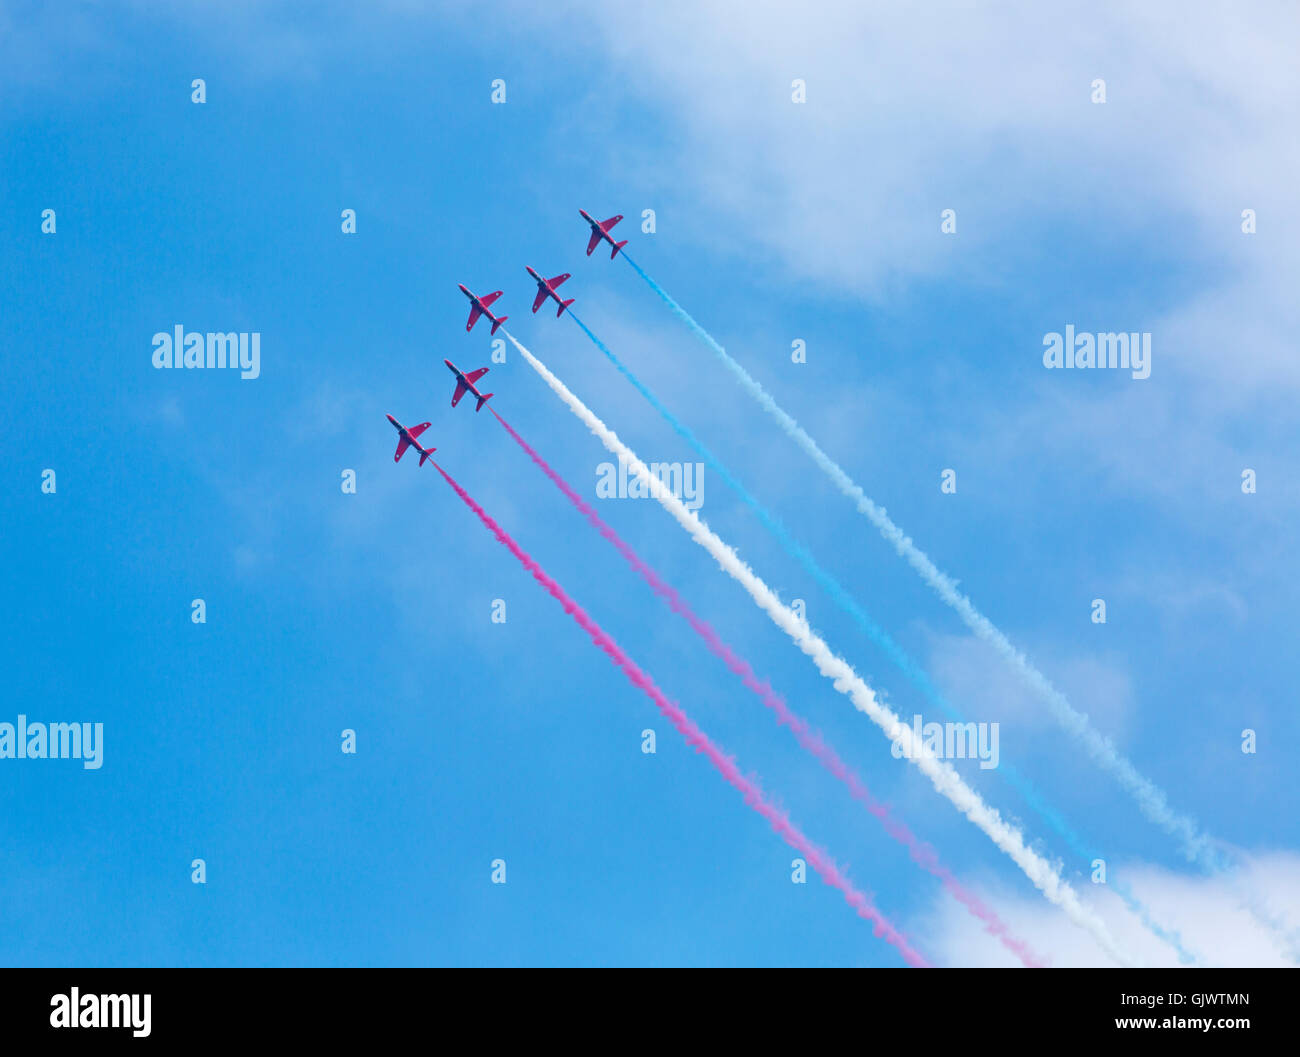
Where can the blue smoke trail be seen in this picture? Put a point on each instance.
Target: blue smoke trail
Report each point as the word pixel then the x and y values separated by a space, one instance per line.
pixel 1198 848
pixel 1152 800
pixel 877 634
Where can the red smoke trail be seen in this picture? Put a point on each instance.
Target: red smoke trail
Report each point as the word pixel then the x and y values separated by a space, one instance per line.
pixel 922 854
pixel 815 857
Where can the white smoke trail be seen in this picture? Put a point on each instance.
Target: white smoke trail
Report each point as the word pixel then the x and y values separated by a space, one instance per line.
pixel 846 680
pixel 1197 847
pixel 1152 801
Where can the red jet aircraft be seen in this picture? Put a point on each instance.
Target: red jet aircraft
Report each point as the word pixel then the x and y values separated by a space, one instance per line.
pixel 406 439
pixel 465 384
pixel 600 230
pixel 479 307
pixel 545 289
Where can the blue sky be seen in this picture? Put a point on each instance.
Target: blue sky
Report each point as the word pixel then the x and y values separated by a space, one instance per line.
pixel 774 222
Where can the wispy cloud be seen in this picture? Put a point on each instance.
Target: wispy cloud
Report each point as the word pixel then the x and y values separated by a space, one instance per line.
pixel 1203 910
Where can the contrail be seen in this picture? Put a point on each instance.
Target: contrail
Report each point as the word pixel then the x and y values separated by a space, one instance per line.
pixel 922 854
pixel 697 739
pixel 845 679
pixel 910 668
pixel 1151 799
pixel 1197 847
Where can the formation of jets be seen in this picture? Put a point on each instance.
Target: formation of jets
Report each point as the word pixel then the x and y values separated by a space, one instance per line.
pixel 482 306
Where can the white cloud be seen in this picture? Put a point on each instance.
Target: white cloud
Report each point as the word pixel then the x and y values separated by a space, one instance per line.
pixel 985 688
pixel 986 109
pixel 1203 911
pixel 982 107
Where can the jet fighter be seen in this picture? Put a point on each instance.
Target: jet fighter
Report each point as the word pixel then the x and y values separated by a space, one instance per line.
pixel 406 439
pixel 465 384
pixel 479 307
pixel 600 230
pixel 546 288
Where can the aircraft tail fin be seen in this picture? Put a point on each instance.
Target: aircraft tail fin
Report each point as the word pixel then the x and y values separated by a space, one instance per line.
pixel 483 400
pixel 617 246
pixel 425 454
pixel 497 322
pixel 563 305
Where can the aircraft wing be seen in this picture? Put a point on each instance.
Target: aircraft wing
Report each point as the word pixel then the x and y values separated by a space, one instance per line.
pixel 605 225
pixel 541 296
pixel 553 283
pixel 415 431
pixel 403 442
pixel 474 313
pixel 593 242
pixel 461 390
pixel 489 298
pixel 474 376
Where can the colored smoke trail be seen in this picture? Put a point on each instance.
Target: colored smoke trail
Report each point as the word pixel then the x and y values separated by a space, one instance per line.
pixel 914 672
pixel 1153 802
pixel 922 854
pixel 697 739
pixel 946 780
